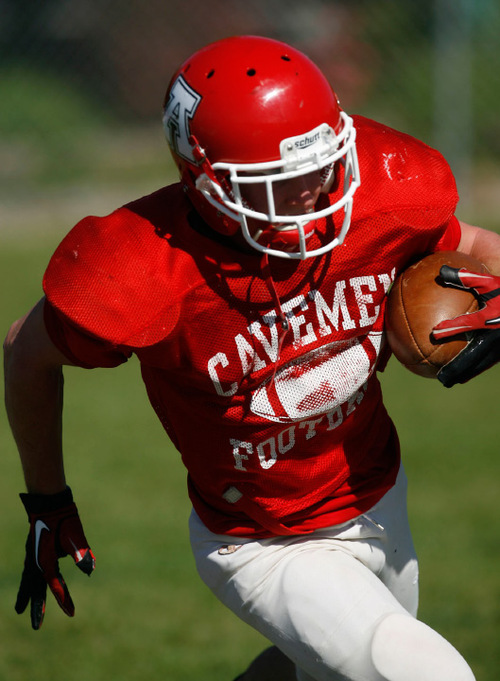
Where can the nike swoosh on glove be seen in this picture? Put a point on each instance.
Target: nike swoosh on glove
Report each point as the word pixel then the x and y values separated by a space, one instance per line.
pixel 55 532
pixel 482 327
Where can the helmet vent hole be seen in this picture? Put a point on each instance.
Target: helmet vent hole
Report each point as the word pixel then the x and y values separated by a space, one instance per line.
pixel 210 73
pixel 285 57
pixel 251 72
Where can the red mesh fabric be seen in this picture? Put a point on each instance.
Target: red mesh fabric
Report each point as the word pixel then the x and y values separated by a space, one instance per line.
pixel 292 419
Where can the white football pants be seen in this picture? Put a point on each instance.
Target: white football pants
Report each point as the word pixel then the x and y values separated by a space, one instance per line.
pixel 340 602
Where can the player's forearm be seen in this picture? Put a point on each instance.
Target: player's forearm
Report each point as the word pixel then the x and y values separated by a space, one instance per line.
pixel 483 245
pixel 34 397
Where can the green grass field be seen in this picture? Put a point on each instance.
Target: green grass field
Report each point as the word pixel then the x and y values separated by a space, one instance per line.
pixel 144 614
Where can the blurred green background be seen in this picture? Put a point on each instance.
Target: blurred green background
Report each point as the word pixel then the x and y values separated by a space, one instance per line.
pixel 81 88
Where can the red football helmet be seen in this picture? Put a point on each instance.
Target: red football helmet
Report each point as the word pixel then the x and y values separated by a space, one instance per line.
pixel 254 111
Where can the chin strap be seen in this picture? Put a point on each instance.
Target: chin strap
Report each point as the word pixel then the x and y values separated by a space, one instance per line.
pixel 269 281
pixel 207 182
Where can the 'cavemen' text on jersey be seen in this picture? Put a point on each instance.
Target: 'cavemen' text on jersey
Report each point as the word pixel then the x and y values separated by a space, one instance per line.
pixel 263 376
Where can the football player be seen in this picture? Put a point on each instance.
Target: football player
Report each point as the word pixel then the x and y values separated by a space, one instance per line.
pixel 253 293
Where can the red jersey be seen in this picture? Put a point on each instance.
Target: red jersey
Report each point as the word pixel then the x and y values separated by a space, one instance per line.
pixel 264 377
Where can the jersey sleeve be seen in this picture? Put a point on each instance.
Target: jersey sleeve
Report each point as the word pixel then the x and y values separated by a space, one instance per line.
pixel 81 349
pixel 107 278
pixel 451 236
pixel 408 179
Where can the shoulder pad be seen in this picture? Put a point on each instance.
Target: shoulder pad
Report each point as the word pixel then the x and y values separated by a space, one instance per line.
pixel 399 172
pixel 120 277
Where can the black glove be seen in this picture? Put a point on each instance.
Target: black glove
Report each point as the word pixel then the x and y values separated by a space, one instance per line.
pixel 55 531
pixel 482 327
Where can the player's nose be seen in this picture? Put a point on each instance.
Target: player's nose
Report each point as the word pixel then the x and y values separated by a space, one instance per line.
pixel 303 190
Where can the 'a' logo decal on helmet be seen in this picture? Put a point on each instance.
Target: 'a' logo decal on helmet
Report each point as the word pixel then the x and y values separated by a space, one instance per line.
pixel 180 109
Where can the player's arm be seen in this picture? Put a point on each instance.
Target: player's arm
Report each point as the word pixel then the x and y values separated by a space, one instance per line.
pixel 34 401
pixel 482 328
pixel 482 244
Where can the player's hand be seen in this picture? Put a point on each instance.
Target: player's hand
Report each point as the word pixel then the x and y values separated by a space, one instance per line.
pixel 55 531
pixel 481 328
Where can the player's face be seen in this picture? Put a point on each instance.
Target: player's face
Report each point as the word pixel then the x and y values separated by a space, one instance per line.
pixel 294 196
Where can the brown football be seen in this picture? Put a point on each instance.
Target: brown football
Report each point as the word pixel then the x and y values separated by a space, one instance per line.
pixel 417 302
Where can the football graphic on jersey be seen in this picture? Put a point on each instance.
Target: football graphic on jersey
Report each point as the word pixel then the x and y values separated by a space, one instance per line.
pixel 318 381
